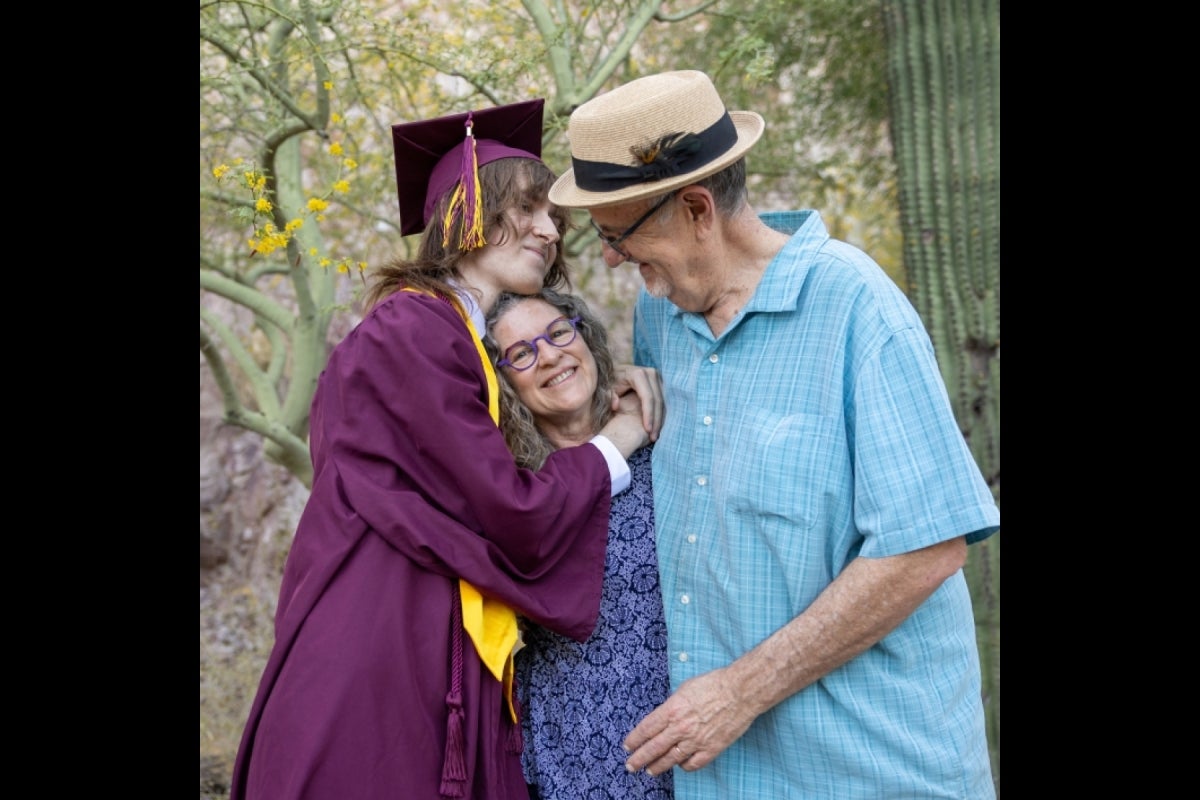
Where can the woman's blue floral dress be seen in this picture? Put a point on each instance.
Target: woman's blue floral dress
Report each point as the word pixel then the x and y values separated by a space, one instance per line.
pixel 579 701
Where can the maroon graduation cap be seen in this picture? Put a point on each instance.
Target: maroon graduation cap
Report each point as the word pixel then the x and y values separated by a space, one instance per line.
pixel 433 157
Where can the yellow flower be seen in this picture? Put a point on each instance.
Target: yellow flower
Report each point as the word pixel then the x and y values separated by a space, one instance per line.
pixel 262 205
pixel 342 186
pixel 317 204
pixel 325 262
pixel 260 182
pixel 350 163
pixel 294 225
pixel 342 268
pixel 362 266
pixel 312 251
pixel 237 162
pixel 328 85
pixel 335 149
pixel 272 239
pixel 320 217
pixel 335 118
pixel 219 172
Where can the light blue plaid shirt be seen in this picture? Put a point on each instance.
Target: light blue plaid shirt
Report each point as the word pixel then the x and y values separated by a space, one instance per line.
pixel 817 429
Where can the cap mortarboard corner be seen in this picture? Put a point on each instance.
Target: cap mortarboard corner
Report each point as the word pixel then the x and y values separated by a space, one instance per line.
pixel 429 153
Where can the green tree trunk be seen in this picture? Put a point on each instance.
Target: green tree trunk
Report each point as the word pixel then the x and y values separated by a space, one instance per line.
pixel 944 84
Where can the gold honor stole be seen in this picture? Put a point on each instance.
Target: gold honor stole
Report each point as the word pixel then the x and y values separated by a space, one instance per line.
pixel 491 624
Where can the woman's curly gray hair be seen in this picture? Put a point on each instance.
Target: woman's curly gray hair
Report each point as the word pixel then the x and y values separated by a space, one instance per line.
pixel 528 444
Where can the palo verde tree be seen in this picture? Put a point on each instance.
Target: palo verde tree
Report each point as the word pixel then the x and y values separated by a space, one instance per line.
pixel 297 187
pixel 297 195
pixel 297 181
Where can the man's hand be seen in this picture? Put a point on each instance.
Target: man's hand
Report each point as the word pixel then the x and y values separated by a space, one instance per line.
pixel 647 384
pixel 862 605
pixel 690 729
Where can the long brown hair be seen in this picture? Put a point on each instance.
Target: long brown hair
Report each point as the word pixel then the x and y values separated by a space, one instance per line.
pixel 504 183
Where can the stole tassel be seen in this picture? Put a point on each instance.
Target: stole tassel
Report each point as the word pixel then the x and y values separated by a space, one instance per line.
pixel 454 767
pixel 514 743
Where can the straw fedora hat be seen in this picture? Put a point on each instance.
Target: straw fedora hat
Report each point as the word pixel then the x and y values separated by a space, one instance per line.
pixel 650 136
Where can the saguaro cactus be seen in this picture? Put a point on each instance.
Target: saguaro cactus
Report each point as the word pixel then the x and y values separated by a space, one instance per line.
pixel 944 82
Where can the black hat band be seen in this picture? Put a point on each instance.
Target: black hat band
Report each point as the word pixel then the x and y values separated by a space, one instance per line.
pixel 671 155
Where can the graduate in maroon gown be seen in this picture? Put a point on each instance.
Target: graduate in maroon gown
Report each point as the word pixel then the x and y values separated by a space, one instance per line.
pixel 421 540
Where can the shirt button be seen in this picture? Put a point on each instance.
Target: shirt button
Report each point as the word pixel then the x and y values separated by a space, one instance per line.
pixel 683 656
pixel 703 481
pixel 685 599
pixel 707 420
pixel 691 538
pixel 714 358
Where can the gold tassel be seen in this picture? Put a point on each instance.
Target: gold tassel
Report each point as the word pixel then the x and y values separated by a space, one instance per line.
pixel 466 204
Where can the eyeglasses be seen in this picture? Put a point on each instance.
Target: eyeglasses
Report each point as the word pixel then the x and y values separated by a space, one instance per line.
pixel 613 242
pixel 522 355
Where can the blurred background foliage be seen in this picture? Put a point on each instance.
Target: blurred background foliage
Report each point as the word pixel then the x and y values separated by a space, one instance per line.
pixel 298 191
pixel 297 182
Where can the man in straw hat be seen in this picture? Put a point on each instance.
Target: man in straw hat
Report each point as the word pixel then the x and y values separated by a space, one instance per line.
pixel 392 671
pixel 813 493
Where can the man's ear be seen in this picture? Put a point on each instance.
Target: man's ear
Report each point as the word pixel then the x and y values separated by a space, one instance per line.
pixel 699 205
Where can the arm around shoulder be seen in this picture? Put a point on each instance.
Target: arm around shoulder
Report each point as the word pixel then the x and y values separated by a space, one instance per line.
pixel 626 430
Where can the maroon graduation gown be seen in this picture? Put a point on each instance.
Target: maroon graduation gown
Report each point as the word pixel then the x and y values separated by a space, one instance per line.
pixel 413 488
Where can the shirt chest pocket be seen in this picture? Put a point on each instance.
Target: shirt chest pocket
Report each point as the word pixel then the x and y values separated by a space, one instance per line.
pixel 791 470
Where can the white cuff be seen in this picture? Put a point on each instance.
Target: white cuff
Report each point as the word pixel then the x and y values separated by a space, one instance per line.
pixel 618 469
